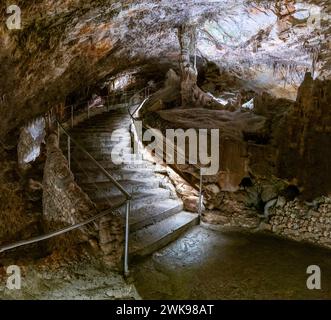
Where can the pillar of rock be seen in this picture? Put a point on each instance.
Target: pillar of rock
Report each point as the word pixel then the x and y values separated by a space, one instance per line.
pixel 192 96
pixel 188 40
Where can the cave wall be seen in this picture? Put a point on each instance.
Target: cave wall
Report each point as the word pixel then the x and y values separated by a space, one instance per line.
pixel 278 145
pixel 304 139
pixel 64 203
pixel 300 222
pixel 295 220
pixel 15 222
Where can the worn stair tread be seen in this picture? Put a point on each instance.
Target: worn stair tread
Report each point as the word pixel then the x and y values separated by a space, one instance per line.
pixel 150 214
pixel 126 184
pixel 139 199
pixel 152 238
pixel 96 175
pixel 106 162
pixel 156 217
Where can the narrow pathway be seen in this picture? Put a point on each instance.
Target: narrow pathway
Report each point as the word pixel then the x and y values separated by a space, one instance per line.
pixel 157 215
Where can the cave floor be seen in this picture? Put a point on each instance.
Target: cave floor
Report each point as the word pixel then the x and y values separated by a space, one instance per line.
pixel 82 277
pixel 205 264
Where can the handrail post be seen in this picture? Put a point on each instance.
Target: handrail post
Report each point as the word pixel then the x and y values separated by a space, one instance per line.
pixel 200 195
pixel 69 152
pixel 127 227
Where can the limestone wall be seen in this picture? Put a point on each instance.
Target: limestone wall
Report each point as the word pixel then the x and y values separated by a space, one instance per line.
pixel 295 220
pixel 64 203
pixel 298 221
pixel 15 223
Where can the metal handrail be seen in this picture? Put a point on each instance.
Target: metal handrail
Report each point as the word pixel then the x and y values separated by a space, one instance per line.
pixel 50 235
pixel 107 174
pixel 58 232
pixel 127 195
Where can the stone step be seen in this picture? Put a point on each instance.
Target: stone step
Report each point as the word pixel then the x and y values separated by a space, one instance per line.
pixel 151 214
pixel 139 200
pixel 97 150
pixel 106 162
pixel 108 189
pixel 104 125
pixel 154 237
pixel 109 137
pixel 156 215
pixel 84 134
pixel 110 129
pixel 96 175
pixel 109 157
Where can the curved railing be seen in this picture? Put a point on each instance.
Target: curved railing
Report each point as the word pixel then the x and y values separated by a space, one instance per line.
pixel 175 150
pixel 59 232
pixel 127 195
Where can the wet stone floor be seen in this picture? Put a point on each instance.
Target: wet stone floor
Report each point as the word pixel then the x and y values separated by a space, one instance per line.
pixel 206 264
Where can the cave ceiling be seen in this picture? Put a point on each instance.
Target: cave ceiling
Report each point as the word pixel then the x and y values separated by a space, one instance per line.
pixel 65 45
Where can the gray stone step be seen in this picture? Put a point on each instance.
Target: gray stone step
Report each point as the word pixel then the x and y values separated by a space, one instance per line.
pixel 108 130
pixel 111 157
pixel 98 176
pixel 99 150
pixel 151 214
pixel 120 174
pixel 93 134
pixel 107 125
pixel 156 216
pixel 109 189
pixel 148 240
pixel 139 200
pixel 92 139
pixel 83 163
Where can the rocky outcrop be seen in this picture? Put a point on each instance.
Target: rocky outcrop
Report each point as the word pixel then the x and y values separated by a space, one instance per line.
pixel 304 139
pixel 65 47
pixel 29 144
pixel 15 221
pixel 64 203
pixel 308 222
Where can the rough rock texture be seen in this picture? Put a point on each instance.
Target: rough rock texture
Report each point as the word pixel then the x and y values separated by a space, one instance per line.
pixel 289 219
pixel 192 95
pixel 15 222
pixel 29 144
pixel 64 203
pixel 232 212
pixel 305 153
pixel 233 126
pixel 279 148
pixel 298 221
pixel 187 193
pixel 76 274
pixel 67 46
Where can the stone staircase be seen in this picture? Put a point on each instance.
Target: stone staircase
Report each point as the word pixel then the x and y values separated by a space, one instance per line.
pixel 157 217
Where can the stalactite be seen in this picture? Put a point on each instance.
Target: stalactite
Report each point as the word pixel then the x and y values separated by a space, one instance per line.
pixel 192 96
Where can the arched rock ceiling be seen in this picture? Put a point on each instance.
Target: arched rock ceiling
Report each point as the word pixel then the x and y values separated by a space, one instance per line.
pixel 68 44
